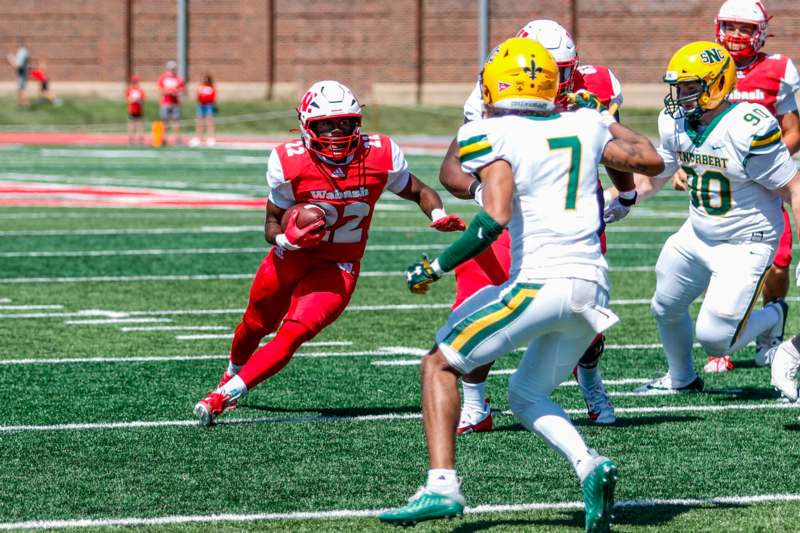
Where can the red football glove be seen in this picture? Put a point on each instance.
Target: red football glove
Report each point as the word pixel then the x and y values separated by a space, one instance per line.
pixel 306 237
pixel 449 223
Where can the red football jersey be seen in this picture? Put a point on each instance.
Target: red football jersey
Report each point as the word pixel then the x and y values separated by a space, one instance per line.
pixel 599 81
pixel 769 80
pixel 135 99
pixel 206 94
pixel 171 86
pixel 347 193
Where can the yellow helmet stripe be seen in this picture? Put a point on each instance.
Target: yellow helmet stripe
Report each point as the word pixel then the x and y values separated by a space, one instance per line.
pixel 764 140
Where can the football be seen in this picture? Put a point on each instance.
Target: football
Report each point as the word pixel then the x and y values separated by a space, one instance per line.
pixel 308 214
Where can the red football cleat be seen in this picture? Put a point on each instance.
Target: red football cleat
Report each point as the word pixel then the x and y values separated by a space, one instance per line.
pixel 475 420
pixel 222 381
pixel 209 408
pixel 719 364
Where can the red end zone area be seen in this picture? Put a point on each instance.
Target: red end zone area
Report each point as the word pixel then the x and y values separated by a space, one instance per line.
pixel 47 194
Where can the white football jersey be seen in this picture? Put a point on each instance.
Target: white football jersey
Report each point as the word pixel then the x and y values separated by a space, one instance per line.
pixel 556 206
pixel 735 167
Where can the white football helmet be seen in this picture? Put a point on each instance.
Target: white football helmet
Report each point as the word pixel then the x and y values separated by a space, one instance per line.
pixel 559 43
pixel 329 100
pixel 748 12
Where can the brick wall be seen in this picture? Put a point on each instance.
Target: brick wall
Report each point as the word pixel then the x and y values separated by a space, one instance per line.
pixel 364 42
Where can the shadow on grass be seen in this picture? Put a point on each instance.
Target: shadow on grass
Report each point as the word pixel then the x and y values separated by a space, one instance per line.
pixel 620 423
pixel 792 427
pixel 624 514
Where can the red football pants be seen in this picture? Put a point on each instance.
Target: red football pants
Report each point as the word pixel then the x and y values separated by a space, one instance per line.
pixel 783 256
pixel 305 293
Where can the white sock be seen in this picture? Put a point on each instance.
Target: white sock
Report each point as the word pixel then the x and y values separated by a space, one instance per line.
pixel 442 481
pixel 232 369
pixel 760 321
pixel 584 465
pixel 474 394
pixel 676 338
pixel 549 421
pixel 235 388
pixel 589 377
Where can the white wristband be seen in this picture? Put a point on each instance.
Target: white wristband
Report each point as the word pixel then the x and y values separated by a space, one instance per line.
pixel 283 242
pixel 437 213
pixel 436 267
pixel 607 119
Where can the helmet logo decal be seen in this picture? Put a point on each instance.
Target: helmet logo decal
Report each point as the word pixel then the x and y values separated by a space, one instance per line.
pixel 533 70
pixel 307 100
pixel 711 56
pixel 502 86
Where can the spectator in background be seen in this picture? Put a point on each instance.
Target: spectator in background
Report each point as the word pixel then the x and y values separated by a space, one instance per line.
pixel 135 98
pixel 171 86
pixel 206 109
pixel 38 74
pixel 20 62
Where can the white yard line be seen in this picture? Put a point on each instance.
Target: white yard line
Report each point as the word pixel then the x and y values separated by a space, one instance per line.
pixel 93 426
pixel 103 321
pixel 382 351
pixel 177 312
pixel 175 328
pixel 222 277
pixel 256 249
pixel 28 307
pixel 370 513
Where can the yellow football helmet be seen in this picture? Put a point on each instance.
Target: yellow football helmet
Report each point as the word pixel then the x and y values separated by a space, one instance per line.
pixel 705 62
pixel 520 75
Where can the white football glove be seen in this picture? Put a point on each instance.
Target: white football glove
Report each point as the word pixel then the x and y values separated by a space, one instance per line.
pixel 616 209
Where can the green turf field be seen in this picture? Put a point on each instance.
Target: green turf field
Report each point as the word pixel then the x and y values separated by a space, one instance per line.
pixel 114 322
pixel 252 117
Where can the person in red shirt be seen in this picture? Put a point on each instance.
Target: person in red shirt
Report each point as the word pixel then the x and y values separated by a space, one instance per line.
pixel 206 110
pixel 493 265
pixel 171 86
pixel 308 277
pixel 135 97
pixel 38 73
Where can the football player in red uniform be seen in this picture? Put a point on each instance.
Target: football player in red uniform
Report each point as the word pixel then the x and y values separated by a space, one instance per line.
pixel 492 267
pixel 308 277
pixel 772 81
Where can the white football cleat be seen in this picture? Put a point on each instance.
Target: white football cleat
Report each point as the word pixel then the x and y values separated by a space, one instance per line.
pixel 598 404
pixel 475 420
pixel 773 336
pixel 665 385
pixel 785 364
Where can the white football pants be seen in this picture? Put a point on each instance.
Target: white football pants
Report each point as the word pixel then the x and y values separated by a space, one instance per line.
pixel 731 274
pixel 557 319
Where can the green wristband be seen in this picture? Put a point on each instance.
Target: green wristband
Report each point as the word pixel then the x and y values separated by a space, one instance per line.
pixel 481 233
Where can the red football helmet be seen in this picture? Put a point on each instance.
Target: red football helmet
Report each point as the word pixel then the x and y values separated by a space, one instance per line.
pixel 750 12
pixel 334 103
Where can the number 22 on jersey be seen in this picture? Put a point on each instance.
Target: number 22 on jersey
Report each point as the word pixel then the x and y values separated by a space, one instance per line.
pixel 349 224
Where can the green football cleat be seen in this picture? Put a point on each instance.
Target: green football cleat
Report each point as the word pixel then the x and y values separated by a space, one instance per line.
pixel 598 495
pixel 425 505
